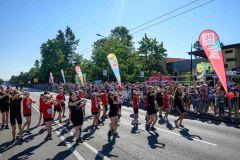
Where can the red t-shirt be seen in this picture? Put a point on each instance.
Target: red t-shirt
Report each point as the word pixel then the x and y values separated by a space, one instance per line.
pixel 104 99
pixel 81 95
pixel 95 105
pixel 41 103
pixel 47 110
pixel 61 98
pixel 27 106
pixel 135 101
pixel 165 101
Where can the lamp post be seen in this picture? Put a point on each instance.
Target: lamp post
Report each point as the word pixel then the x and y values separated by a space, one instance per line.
pixel 108 69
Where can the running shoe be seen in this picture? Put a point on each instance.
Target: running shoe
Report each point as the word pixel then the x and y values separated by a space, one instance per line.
pixel 175 122
pixel 13 141
pixel 147 127
pixel 180 125
pixel 2 127
pixel 20 141
pixel 6 127
pixel 109 134
pixel 116 135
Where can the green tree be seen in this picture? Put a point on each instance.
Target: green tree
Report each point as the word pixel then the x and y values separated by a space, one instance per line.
pixel 152 54
pixel 118 42
pixel 52 58
pixel 37 64
pixel 197 46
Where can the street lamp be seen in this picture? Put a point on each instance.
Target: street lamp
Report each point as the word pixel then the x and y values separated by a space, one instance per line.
pixel 99 35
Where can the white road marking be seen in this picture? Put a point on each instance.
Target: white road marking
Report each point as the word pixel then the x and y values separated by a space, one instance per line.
pixel 69 146
pixel 84 143
pixel 177 134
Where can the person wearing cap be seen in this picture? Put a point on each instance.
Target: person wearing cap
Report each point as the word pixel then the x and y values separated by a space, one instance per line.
pixel 27 111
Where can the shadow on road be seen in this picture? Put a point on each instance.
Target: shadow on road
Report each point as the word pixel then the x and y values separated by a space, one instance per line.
pixel 28 152
pixel 153 141
pixel 169 126
pixel 107 148
pixel 64 154
pixel 185 133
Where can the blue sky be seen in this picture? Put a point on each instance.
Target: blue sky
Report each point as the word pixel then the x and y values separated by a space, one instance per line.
pixel 26 24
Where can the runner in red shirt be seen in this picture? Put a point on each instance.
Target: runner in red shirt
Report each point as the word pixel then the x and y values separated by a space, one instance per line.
pixel 82 96
pixel 104 104
pixel 135 106
pixel 58 107
pixel 41 106
pixel 95 108
pixel 27 111
pixel 166 104
pixel 48 114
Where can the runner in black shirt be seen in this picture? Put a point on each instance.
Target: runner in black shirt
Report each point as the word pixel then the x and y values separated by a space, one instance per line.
pixel 179 106
pixel 4 106
pixel 15 115
pixel 113 114
pixel 76 115
pixel 151 109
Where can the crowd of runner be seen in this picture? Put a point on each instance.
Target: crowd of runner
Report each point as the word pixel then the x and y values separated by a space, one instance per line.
pixel 106 102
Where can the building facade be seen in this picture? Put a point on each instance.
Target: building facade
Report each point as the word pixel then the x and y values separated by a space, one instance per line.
pixel 231 55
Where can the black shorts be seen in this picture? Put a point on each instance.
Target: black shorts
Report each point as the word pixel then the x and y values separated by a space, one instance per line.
pixel 94 113
pixel 76 119
pixel 112 115
pixel 14 117
pixel 58 109
pixel 48 119
pixel 135 110
pixel 27 115
pixel 4 108
pixel 180 109
pixel 151 110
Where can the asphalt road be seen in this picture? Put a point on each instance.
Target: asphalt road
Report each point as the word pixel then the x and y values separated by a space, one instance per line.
pixel 199 140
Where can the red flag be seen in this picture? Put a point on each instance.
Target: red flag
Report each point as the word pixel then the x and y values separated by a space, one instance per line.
pixel 210 43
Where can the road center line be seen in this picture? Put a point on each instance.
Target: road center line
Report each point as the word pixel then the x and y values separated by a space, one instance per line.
pixel 69 146
pixel 84 143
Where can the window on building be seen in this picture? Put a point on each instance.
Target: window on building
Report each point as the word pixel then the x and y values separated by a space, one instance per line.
pixel 229 51
pixel 231 59
pixel 226 65
pixel 234 69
